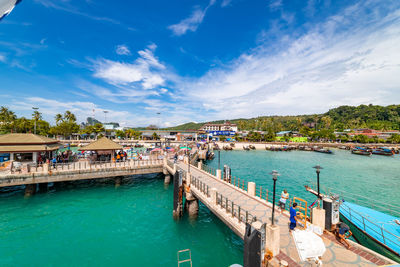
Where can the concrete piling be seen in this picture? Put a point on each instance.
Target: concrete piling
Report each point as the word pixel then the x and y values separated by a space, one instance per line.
pixel 30 189
pixel 118 181
pixel 191 205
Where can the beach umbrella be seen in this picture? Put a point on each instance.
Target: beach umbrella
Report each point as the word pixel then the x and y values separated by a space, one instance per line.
pixel 156 149
pixel 185 148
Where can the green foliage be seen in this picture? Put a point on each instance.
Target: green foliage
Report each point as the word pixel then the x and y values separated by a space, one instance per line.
pixel 65 125
pixel 120 134
pixel 222 138
pixel 155 136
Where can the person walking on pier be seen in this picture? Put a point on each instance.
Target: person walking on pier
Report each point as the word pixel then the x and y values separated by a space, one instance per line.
pixel 293 218
pixel 282 200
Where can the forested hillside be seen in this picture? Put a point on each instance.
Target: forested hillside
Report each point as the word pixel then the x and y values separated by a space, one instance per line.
pixel 343 117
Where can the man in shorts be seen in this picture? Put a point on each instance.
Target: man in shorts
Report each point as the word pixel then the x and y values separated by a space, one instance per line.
pixel 282 200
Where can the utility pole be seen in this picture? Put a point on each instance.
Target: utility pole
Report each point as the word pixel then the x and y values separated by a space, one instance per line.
pixel 34 117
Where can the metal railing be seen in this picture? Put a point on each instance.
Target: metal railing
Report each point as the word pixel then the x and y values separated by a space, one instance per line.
pixel 373 229
pixel 38 170
pixel 358 199
pixel 235 210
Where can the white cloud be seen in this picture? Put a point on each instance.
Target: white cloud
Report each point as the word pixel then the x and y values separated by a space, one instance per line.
pixel 192 22
pixel 122 50
pixel 3 58
pixel 225 3
pixel 145 70
pixel 275 4
pixel 345 60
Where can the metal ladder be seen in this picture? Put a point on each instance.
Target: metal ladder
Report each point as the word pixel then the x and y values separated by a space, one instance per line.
pixel 185 260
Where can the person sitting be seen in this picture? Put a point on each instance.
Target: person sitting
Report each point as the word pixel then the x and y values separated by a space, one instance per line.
pixel 343 232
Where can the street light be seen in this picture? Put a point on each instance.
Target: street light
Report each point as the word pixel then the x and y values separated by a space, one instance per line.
pixel 35 109
pixel 275 175
pixel 219 159
pixel 105 115
pixel 318 170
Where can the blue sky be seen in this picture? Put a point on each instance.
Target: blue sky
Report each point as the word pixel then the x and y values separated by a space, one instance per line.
pixel 198 60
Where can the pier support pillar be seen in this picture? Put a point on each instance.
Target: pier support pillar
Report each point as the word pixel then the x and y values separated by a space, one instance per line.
pixel 272 239
pixel 200 165
pixel 30 189
pixel 43 187
pixel 178 195
pixel 318 217
pixel 118 181
pixel 219 174
pixel 213 195
pixel 251 188
pixel 191 205
pixel 167 179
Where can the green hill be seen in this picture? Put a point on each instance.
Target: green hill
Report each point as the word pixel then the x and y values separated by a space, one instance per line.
pixel 343 117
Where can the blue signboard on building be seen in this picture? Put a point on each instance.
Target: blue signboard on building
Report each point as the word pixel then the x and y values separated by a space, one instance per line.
pixel 215 133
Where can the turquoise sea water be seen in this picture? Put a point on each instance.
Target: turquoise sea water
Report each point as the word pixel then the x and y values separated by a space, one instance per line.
pixel 375 178
pixel 96 224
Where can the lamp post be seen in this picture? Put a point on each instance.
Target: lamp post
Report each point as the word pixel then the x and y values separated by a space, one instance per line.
pixel 318 170
pixel 35 109
pixel 219 159
pixel 275 175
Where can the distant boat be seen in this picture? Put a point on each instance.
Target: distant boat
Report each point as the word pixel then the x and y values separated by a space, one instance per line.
pixel 383 151
pixel 323 150
pixel 361 152
pixel 252 147
pixel 246 148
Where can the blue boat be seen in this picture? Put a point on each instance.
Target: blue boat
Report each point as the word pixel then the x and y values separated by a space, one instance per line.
pixel 373 229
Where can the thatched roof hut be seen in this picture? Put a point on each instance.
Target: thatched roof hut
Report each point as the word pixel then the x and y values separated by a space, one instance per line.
pixel 102 144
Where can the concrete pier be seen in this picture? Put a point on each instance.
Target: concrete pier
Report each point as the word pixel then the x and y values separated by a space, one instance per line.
pixel 237 207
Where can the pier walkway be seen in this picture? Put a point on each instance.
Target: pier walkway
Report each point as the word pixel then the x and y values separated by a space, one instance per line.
pixel 80 171
pixel 234 206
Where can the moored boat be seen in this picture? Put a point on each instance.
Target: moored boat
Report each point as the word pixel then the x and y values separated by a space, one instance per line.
pixel 252 147
pixel 383 151
pixel 323 150
pixel 373 229
pixel 246 148
pixel 361 152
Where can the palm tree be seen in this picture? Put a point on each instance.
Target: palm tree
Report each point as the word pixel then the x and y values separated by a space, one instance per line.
pixel 58 118
pixel 36 115
pixel 69 116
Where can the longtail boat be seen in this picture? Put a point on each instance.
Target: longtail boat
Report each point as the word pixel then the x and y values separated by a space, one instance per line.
pixel 361 152
pixel 383 151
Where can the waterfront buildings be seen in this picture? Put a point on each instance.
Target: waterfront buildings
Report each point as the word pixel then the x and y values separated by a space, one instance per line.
pixel 220 127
